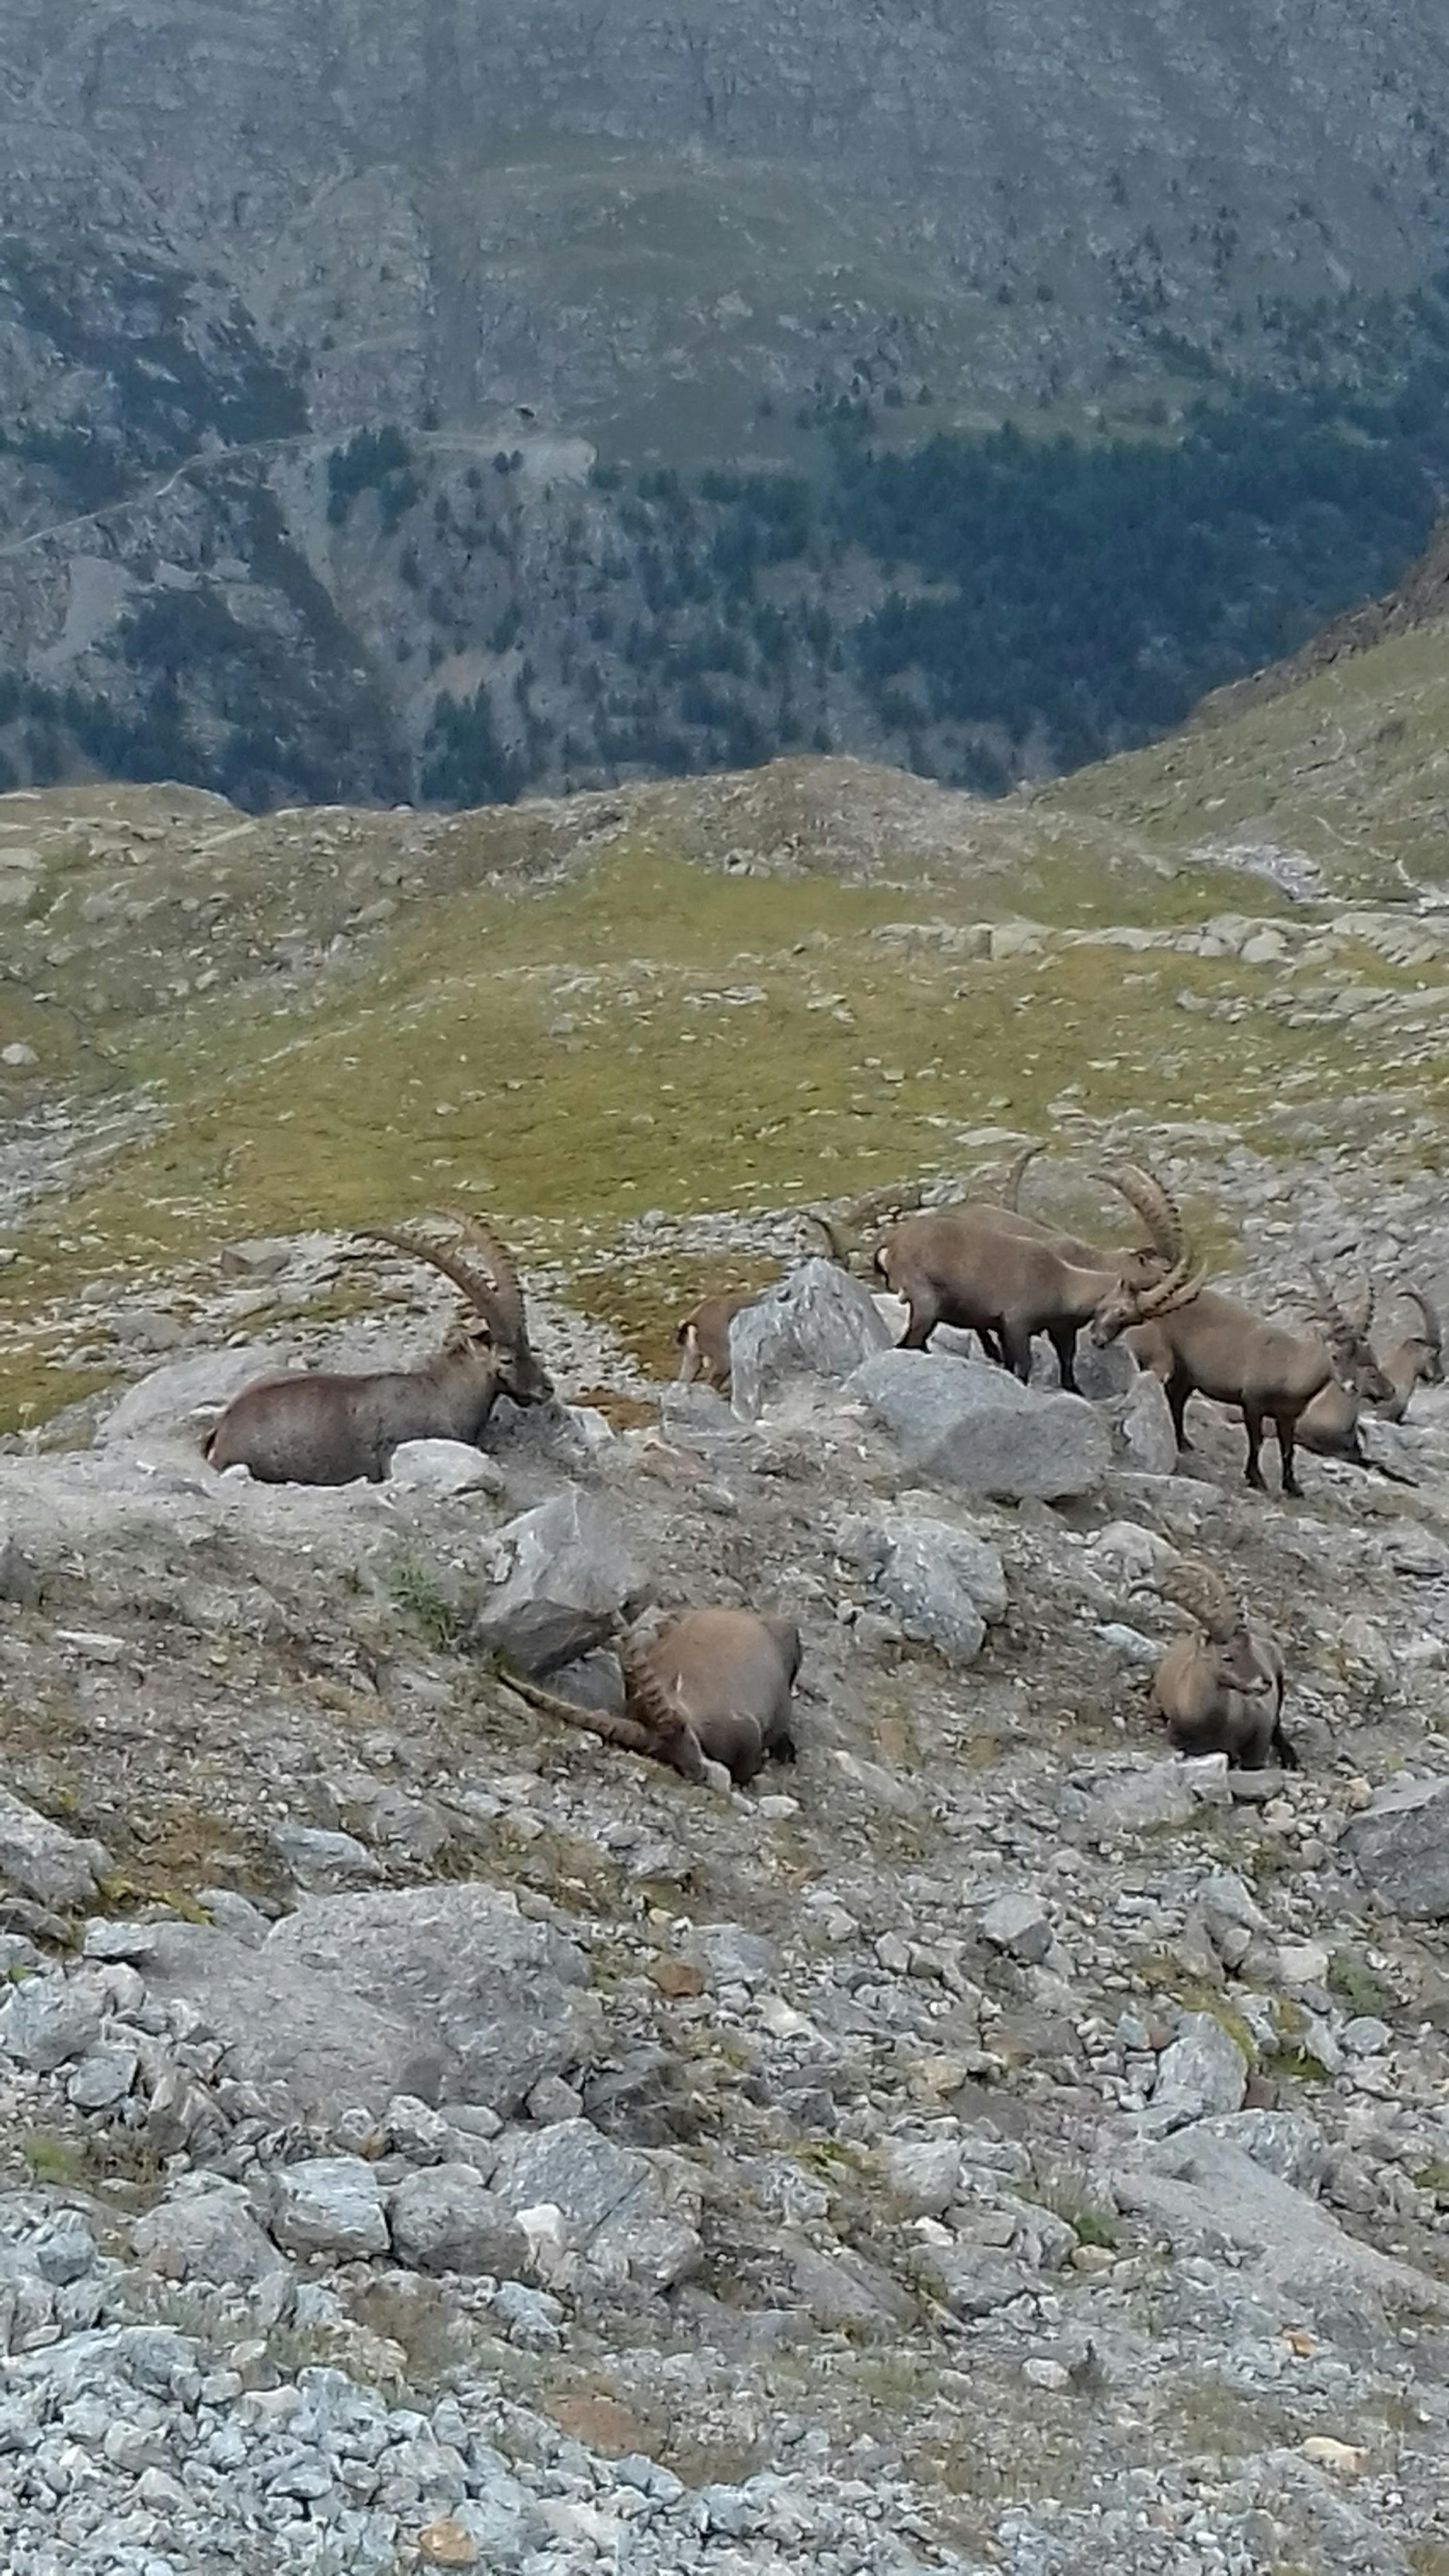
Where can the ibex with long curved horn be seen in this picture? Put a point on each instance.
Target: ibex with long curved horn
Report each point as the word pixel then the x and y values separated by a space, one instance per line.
pixel 847 1231
pixel 1220 1691
pixel 710 1695
pixel 321 1427
pixel 1007 1279
pixel 1202 1343
pixel 1417 1359
pixel 1329 1426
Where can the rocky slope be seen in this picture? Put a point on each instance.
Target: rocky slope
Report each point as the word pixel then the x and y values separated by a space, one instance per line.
pixel 235 242
pixel 431 2137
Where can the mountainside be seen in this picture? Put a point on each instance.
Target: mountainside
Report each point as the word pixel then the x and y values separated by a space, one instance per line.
pixel 1009 2139
pixel 424 402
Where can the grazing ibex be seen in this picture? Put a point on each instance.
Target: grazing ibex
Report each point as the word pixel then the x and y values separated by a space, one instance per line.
pixel 1220 1691
pixel 710 1695
pixel 1007 1279
pixel 319 1427
pixel 1201 1343
pixel 704 1337
pixel 1418 1359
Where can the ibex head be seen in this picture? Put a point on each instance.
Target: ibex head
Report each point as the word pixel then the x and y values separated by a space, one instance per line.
pixel 1223 1621
pixel 1346 1330
pixel 1154 1281
pixel 491 1320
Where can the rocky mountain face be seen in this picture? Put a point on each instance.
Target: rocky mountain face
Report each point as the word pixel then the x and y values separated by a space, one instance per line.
pixel 528 257
pixel 433 2136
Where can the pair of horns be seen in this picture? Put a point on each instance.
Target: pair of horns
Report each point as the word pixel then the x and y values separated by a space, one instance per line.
pixel 493 1290
pixel 1159 1211
pixel 1433 1329
pixel 1204 1595
pixel 1343 1323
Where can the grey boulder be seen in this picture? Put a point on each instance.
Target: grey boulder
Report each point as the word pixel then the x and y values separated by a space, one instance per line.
pixel 1202 2072
pixel 41 1860
pixel 631 2214
pixel 571 1550
pixel 206 2232
pixel 944 1583
pixel 446 2219
pixel 972 1426
pixel 820 1322
pixel 1400 1846
pixel 330 2205
pixel 434 1991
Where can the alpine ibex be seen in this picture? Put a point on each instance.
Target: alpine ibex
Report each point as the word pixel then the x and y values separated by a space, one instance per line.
pixel 710 1695
pixel 1329 1426
pixel 1220 1691
pixel 1201 1343
pixel 1417 1359
pixel 704 1337
pixel 1006 1279
pixel 320 1427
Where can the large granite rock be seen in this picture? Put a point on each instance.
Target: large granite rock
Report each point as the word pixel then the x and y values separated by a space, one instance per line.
pixel 442 1991
pixel 571 1550
pixel 1400 1846
pixel 972 1426
pixel 630 2214
pixel 820 1322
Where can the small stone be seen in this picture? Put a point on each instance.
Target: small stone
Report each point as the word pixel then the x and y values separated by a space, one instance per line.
pixel 1019 1923
pixel 320 1861
pixel 1365 2036
pixel 552 2099
pixel 1203 2071
pixel 446 2544
pixel 1047 2374
pixel 63 2252
pixel 1344 2457
pixel 677 1978
pixel 103 2078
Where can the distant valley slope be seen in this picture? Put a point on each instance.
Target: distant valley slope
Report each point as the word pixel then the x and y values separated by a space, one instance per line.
pixel 434 401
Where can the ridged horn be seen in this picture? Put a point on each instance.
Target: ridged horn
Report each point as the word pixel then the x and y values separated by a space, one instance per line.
pixel 1433 1329
pixel 507 1294
pixel 1016 1174
pixel 648 1697
pixel 1156 1206
pixel 835 1233
pixel 1204 1595
pixel 501 1311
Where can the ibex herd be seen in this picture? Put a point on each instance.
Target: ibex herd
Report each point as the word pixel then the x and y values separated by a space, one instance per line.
pixel 711 1694
pixel 987 1267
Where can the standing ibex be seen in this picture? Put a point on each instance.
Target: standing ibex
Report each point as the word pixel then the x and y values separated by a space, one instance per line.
pixel 1200 1343
pixel 710 1695
pixel 1006 1279
pixel 1220 1691
pixel 319 1427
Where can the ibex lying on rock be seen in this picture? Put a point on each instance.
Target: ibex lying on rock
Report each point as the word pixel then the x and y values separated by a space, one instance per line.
pixel 1221 1691
pixel 1007 1279
pixel 710 1695
pixel 704 1337
pixel 1418 1359
pixel 1200 1343
pixel 1329 1426
pixel 320 1427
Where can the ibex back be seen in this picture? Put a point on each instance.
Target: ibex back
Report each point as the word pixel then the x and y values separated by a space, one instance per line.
pixel 321 1427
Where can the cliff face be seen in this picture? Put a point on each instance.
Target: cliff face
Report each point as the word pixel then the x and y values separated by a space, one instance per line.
pixel 562 234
